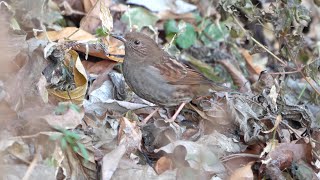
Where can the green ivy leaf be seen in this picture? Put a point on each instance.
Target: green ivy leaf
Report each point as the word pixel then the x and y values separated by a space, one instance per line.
pixel 186 36
pixel 214 32
pixel 83 151
pixel 185 32
pixel 139 17
pixel 170 27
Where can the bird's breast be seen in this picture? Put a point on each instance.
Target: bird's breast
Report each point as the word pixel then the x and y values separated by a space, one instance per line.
pixel 148 84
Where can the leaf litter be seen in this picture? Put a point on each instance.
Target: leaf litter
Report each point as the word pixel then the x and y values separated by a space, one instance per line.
pixel 266 129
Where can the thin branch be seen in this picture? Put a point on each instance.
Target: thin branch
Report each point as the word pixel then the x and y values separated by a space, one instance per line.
pixel 31 167
pixel 259 44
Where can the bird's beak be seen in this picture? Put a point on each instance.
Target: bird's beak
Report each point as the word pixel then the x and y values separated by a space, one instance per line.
pixel 121 38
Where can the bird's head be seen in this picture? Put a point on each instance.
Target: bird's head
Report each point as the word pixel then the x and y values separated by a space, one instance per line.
pixel 139 46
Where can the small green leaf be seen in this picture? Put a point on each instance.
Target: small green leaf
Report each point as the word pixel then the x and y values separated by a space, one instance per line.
pixel 185 32
pixel 83 151
pixel 186 36
pixel 140 17
pixel 63 143
pixel 170 27
pixel 75 148
pixel 69 139
pixel 197 17
pixel 73 135
pixel 213 32
pixel 100 32
pixel 50 161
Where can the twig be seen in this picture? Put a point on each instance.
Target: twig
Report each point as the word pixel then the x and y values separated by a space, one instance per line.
pixel 31 167
pixel 258 43
pixel 290 72
pixel 296 133
pixel 233 156
pixel 307 79
pixel 276 57
pixel 310 83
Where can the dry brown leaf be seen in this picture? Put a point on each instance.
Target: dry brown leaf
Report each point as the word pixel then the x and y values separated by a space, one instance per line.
pixel 81 81
pixel 301 151
pixel 92 20
pixel 71 7
pixel 243 173
pixel 249 62
pixel 75 168
pixel 198 156
pixel 129 134
pixel 238 78
pixel 119 7
pixel 24 149
pixel 68 120
pixel 21 89
pixel 10 46
pixel 87 43
pixel 264 81
pixel 128 169
pixel 92 48
pixel 166 15
pixel 106 17
pixel 111 160
pixel 115 47
pixel 100 67
pixel 276 124
pixel 316 136
pixel 43 93
pixel 112 50
pixel 163 164
pixel 234 162
pixel 214 115
pixel 70 33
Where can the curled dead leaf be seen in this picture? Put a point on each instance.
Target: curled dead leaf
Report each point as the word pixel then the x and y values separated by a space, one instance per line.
pixel 163 164
pixel 80 80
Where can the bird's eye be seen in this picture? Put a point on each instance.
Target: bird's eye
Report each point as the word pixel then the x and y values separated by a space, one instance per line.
pixel 136 42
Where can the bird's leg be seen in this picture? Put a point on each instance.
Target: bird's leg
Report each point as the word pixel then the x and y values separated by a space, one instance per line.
pixel 173 118
pixel 145 120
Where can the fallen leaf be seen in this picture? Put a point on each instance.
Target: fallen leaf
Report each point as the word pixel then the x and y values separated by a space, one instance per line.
pixel 163 164
pixel 70 33
pixel 249 62
pixel 130 135
pixel 243 173
pixel 134 15
pixel 176 6
pixel 111 160
pixel 80 78
pixel 198 155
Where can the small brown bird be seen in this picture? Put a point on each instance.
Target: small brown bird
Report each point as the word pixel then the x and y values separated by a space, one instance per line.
pixel 159 78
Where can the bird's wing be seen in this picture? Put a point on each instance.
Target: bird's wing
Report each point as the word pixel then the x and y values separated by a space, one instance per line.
pixel 175 72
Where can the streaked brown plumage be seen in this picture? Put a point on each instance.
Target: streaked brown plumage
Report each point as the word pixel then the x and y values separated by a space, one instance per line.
pixel 159 78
